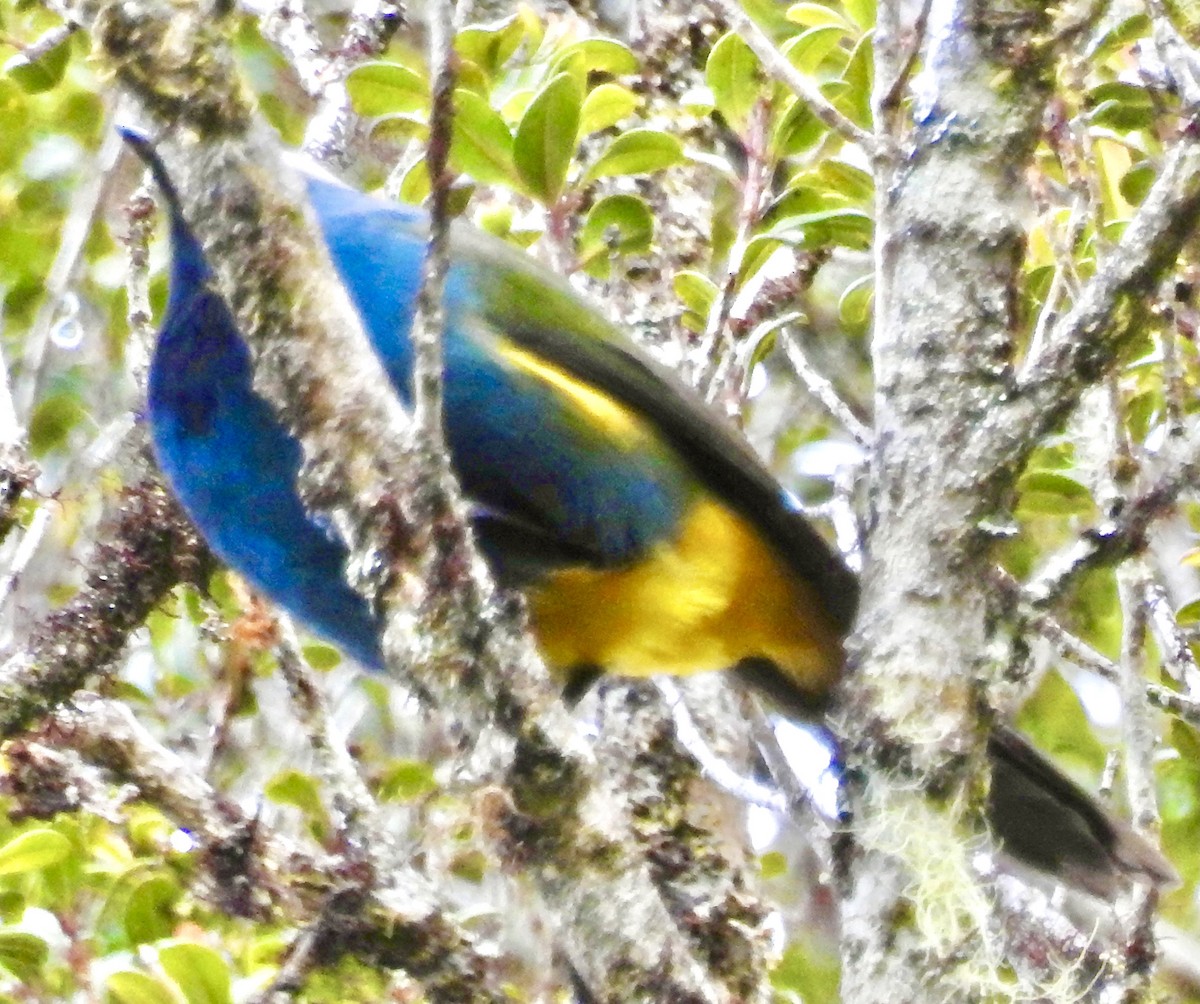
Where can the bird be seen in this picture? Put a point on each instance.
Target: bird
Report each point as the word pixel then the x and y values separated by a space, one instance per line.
pixel 644 533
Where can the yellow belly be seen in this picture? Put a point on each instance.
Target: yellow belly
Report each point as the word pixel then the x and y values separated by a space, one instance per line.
pixel 708 599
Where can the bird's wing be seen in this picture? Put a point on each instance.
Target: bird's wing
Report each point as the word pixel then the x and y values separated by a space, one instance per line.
pixel 545 318
pixel 559 469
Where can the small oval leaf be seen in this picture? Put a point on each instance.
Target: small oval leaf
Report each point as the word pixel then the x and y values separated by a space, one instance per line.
pixel 32 851
pixel 734 76
pixel 808 50
pixel 23 954
pixel 813 15
pixel 696 290
pixel 127 987
pixel 41 74
pixel 639 151
pixel 545 140
pixel 619 222
pixel 854 306
pixel 616 224
pixel 482 145
pixel 381 88
pixel 605 106
pixel 199 972
pixel 597 55
pixel 149 911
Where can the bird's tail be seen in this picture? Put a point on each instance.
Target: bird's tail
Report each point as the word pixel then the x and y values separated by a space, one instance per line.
pixel 1040 817
pixel 1046 820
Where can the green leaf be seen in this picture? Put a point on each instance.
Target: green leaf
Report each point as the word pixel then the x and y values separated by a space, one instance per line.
pixel 1122 106
pixel 605 106
pixel 808 50
pixel 620 223
pixel 1178 797
pixel 696 291
pixel 52 422
pixel 1056 720
pixel 773 864
pixel 1052 493
pixel 128 987
pixel 545 140
pixel 482 146
pixel 293 787
pixel 844 226
pixel 597 55
pixel 1123 35
pixel 32 851
pixel 849 181
pixel 12 906
pixel 796 130
pixel 1136 182
pixel 414 185
pixel 809 973
pixel 855 100
pixel 406 781
pixel 757 253
pixel 735 79
pixel 150 909
pixel 23 954
pixel 41 74
pixel 854 305
pixel 639 151
pixel 496 220
pixel 491 46
pixel 473 78
pixel 617 224
pixel 862 11
pixel 322 658
pixel 198 971
pixel 399 129
pixel 1189 613
pixel 813 15
pixel 381 88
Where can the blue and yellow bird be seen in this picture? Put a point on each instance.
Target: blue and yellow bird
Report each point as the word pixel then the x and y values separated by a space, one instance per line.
pixel 644 533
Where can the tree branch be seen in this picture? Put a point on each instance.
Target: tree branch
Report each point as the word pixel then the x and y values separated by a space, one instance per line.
pixel 148 547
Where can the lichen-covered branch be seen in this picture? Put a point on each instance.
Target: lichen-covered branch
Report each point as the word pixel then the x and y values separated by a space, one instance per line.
pixel 146 547
pixel 949 246
pixel 1110 309
pixel 396 919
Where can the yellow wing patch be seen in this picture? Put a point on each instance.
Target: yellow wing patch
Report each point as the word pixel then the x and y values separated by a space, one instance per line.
pixel 712 597
pixel 605 412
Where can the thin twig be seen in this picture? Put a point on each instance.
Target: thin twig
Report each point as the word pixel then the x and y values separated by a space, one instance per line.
pixel 1177 55
pixel 1174 647
pixel 1084 342
pixel 429 323
pixel 18 473
pixel 688 734
pixel 778 66
pixel 891 98
pixel 1115 538
pixel 823 390
pixel 1140 950
pixel 87 202
pixel 351 800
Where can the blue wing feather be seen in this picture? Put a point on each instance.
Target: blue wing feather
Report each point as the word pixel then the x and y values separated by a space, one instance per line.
pixel 521 448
